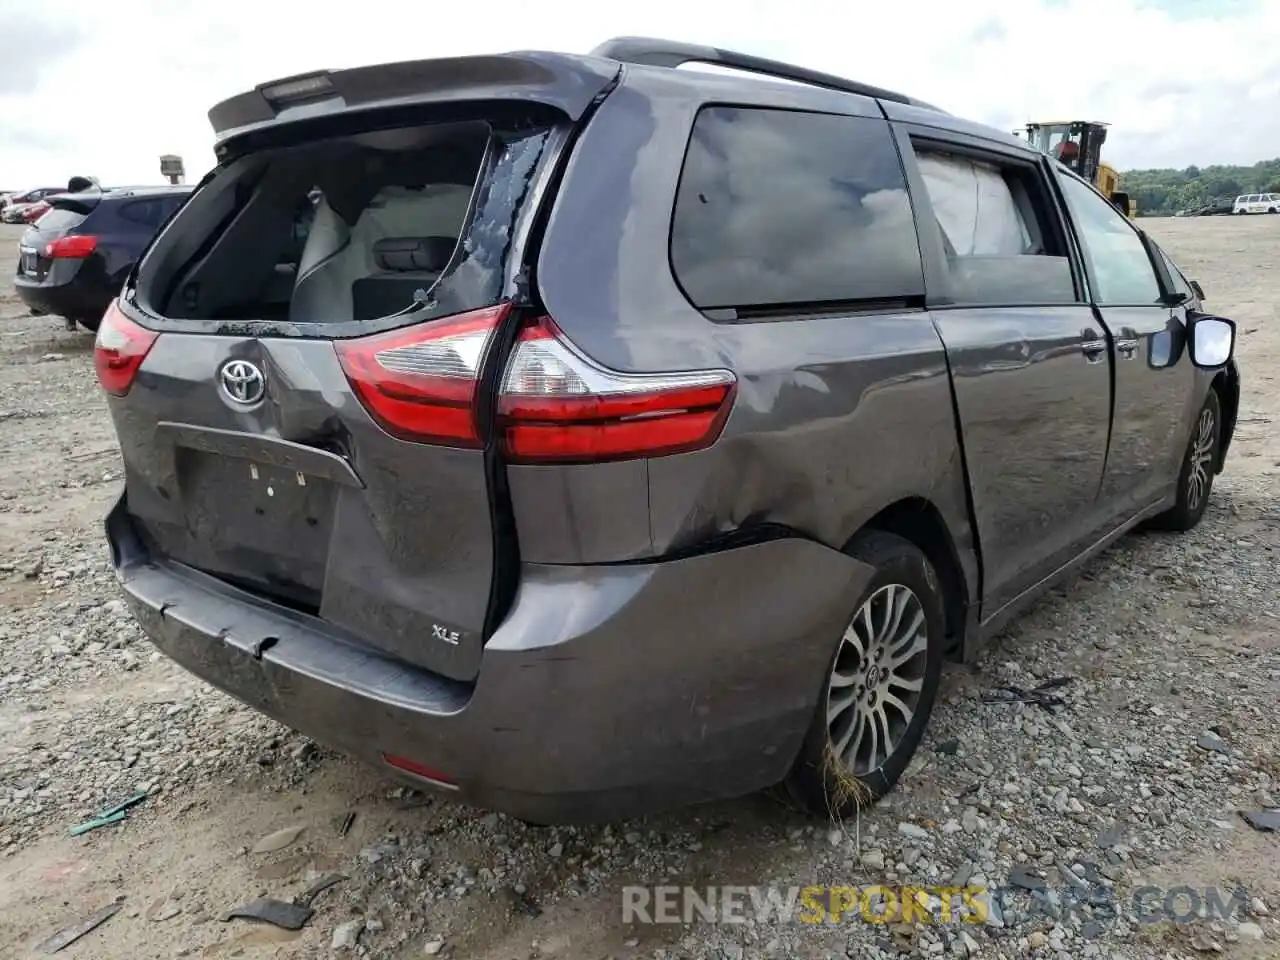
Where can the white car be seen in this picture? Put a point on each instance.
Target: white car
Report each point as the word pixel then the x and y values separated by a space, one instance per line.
pixel 1257 203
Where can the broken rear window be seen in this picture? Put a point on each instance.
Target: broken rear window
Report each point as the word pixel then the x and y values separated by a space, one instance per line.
pixel 409 222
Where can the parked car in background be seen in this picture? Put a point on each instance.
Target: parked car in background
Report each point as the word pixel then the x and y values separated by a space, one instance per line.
pixel 1215 208
pixel 16 209
pixel 628 436
pixel 34 211
pixel 1257 203
pixel 75 259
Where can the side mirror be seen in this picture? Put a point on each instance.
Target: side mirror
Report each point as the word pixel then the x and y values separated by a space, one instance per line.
pixel 1197 289
pixel 1212 341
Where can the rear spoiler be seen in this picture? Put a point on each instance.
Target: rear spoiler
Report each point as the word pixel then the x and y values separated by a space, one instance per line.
pixel 566 82
pixel 81 203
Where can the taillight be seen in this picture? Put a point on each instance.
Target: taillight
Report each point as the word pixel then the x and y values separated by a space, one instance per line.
pixel 555 405
pixel 119 350
pixel 70 248
pixel 558 406
pixel 420 384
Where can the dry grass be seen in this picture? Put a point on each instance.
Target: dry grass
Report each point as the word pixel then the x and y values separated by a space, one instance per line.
pixel 848 792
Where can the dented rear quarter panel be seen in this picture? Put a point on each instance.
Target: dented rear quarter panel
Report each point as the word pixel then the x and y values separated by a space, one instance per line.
pixel 835 418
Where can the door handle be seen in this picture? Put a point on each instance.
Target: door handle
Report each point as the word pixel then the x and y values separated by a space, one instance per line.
pixel 1093 350
pixel 1127 349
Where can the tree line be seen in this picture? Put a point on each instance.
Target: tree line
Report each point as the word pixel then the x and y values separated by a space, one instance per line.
pixel 1164 192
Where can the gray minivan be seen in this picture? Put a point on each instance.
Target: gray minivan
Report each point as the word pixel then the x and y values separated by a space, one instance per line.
pixel 624 436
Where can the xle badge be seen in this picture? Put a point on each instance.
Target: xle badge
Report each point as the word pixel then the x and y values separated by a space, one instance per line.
pixel 448 636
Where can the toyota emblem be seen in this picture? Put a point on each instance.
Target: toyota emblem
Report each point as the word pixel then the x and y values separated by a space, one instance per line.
pixel 243 383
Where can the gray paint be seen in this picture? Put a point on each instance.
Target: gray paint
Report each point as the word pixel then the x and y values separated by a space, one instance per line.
pixel 637 634
pixel 565 721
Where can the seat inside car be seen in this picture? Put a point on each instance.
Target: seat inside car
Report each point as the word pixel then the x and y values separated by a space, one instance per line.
pixel 399 243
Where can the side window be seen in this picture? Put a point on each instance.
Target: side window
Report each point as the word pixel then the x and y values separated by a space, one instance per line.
pixel 145 213
pixel 780 208
pixel 1002 246
pixel 170 206
pixel 1180 284
pixel 1122 271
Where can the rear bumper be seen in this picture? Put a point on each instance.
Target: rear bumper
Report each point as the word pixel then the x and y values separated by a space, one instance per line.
pixel 66 295
pixel 609 692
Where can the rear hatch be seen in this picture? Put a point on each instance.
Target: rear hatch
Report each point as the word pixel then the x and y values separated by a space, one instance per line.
pixel 49 237
pixel 300 368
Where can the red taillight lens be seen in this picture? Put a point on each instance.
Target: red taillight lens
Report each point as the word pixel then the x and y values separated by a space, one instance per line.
pixel 70 248
pixel 558 406
pixel 119 350
pixel 420 384
pixel 418 770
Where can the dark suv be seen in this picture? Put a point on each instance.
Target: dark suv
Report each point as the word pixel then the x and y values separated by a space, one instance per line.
pixel 73 261
pixel 625 436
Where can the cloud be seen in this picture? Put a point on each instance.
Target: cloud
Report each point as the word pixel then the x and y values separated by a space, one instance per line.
pixel 988 31
pixel 107 88
pixel 33 46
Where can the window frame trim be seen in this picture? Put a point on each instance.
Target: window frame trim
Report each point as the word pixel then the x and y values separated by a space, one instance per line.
pixel 938 287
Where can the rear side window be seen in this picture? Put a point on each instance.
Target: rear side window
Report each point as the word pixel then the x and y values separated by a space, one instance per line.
pixel 170 204
pixel 778 208
pixel 145 213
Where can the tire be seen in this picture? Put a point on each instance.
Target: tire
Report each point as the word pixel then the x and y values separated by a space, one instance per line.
pixel 1195 479
pixel 905 583
pixel 89 323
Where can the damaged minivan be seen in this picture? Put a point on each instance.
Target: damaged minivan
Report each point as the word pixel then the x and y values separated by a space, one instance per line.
pixel 585 436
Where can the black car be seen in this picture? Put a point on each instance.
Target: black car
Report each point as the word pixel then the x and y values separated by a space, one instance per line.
pixel 74 260
pixel 1220 208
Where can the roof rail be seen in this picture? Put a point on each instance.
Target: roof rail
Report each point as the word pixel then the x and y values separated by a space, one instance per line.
pixel 671 53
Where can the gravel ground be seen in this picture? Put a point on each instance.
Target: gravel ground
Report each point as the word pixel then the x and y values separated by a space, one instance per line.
pixel 1168 733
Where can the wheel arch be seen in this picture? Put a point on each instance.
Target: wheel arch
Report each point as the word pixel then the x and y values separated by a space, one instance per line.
pixel 919 521
pixel 1226 384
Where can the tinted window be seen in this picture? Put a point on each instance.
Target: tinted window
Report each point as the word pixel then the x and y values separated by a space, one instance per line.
pixel 994 220
pixel 1122 271
pixel 145 213
pixel 56 221
pixel 170 204
pixel 777 207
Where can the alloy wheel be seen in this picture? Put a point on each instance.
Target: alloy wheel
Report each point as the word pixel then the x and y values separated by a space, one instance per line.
pixel 1201 460
pixel 877 678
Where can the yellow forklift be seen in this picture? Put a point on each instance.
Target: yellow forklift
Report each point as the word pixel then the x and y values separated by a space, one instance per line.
pixel 1078 144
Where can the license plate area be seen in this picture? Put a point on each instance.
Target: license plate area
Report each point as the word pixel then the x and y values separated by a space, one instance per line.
pixel 28 261
pixel 236 504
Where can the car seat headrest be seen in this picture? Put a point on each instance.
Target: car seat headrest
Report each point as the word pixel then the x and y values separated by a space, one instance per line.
pixel 414 254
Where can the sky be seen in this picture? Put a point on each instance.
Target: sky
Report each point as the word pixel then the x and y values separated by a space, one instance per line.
pixel 103 89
